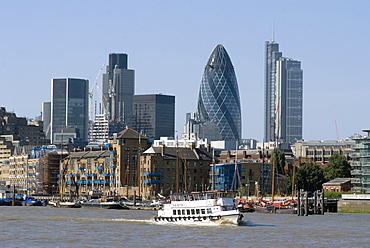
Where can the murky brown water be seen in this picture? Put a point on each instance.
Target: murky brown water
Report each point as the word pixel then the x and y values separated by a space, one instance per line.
pixel 55 227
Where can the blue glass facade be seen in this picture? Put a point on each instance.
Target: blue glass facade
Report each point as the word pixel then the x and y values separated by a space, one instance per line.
pixel 219 99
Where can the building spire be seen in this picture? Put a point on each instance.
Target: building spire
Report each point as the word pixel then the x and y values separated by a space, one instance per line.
pixel 273 32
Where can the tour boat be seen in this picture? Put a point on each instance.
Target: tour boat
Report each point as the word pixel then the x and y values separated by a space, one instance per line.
pixel 197 207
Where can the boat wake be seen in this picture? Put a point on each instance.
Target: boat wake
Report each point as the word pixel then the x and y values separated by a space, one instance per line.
pixel 223 222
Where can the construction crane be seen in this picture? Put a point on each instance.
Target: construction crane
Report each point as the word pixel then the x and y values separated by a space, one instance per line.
pixel 91 93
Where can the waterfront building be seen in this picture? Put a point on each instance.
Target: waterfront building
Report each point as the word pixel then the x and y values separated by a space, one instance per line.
pixel 283 96
pixel 360 163
pixel 128 146
pixel 154 115
pixel 254 170
pixel 319 151
pixel 118 89
pixel 248 176
pixel 69 111
pixel 219 100
pixel 338 185
pixel 167 170
pixel 20 175
pixel 110 172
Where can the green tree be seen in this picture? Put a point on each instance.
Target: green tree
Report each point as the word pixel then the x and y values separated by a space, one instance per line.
pixel 338 166
pixel 309 177
pixel 278 157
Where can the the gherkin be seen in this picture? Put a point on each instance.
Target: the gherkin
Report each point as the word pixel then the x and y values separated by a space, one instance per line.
pixel 219 99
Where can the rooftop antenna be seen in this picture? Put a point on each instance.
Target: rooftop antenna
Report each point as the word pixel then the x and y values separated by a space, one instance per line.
pixel 273 32
pixel 336 129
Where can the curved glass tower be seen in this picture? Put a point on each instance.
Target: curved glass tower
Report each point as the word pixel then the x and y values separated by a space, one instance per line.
pixel 219 100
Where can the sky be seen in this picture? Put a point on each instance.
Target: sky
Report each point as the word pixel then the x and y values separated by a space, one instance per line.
pixel 169 42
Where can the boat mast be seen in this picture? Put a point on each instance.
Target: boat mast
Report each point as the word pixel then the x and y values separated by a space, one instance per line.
pixel 236 171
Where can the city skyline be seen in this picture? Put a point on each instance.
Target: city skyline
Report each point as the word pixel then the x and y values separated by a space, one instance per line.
pixel 167 54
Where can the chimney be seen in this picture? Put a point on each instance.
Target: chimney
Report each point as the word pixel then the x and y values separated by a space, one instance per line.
pixel 163 149
pixel 192 145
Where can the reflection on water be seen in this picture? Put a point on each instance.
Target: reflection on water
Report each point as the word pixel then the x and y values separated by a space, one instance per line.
pixel 46 227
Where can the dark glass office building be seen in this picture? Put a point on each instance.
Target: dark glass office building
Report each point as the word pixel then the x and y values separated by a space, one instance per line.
pixel 118 89
pixel 154 115
pixel 69 109
pixel 219 99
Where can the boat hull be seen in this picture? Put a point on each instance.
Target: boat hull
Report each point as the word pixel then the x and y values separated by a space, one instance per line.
pixel 104 205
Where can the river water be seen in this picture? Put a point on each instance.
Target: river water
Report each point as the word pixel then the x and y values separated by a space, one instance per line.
pixel 58 227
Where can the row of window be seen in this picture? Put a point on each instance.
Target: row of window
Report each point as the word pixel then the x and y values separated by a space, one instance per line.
pixel 192 211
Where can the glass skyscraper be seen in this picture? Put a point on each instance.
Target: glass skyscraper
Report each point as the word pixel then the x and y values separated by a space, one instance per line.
pixel 153 115
pixel 219 100
pixel 283 96
pixel 69 109
pixel 118 89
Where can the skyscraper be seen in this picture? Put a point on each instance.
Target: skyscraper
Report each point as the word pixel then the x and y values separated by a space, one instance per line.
pixel 69 109
pixel 219 100
pixel 283 96
pixel 154 115
pixel 289 90
pixel 271 56
pixel 118 89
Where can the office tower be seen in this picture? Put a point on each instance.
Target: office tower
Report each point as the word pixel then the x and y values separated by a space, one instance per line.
pixel 154 115
pixel 46 118
pixel 283 96
pixel 289 96
pixel 69 110
pixel 118 89
pixel 271 56
pixel 219 100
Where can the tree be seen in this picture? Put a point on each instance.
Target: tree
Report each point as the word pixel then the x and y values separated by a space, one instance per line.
pixel 338 166
pixel 278 157
pixel 309 177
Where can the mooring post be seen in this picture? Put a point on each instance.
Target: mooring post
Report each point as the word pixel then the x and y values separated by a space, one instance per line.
pixel 306 203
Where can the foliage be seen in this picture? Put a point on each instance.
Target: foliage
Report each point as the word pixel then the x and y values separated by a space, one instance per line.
pixel 332 194
pixel 338 166
pixel 242 191
pixel 309 177
pixel 278 157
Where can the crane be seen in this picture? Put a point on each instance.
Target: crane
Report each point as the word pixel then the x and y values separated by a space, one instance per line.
pixel 91 92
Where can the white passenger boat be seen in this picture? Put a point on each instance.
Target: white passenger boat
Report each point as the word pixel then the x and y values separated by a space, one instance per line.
pixel 196 207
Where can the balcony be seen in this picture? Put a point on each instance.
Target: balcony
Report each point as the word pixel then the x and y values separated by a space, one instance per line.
pixel 360 164
pixel 355 180
pixel 356 172
pixel 360 155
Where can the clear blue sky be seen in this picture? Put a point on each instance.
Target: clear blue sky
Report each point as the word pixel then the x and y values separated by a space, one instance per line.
pixel 169 43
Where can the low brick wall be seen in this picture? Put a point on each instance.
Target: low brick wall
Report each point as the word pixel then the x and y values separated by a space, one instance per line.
pixel 353 206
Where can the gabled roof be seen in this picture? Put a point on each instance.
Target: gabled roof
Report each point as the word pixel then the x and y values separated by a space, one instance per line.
pixel 89 154
pixel 180 152
pixel 130 133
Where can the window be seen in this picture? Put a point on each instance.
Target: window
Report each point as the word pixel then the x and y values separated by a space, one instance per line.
pixel 203 211
pixel 209 211
pixel 178 212
pixel 197 211
pixel 188 211
pixel 127 148
pixel 174 212
pixel 192 212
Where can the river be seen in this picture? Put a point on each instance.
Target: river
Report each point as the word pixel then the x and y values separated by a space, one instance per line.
pixel 58 227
